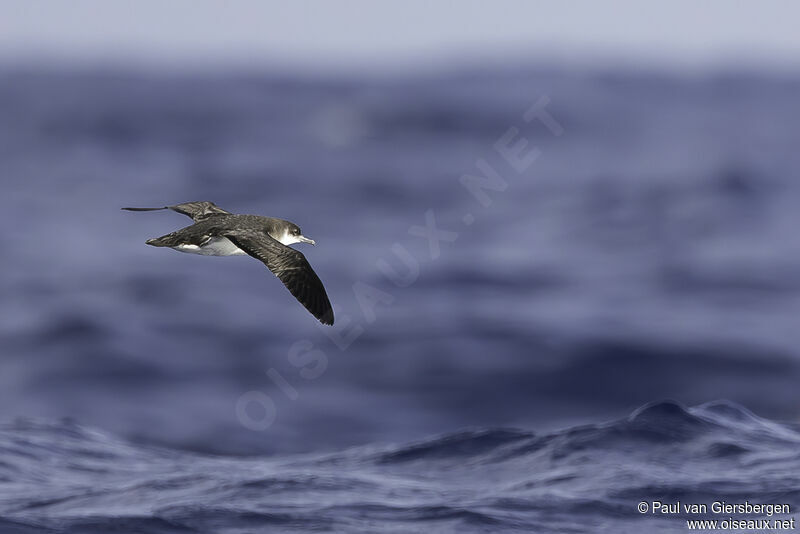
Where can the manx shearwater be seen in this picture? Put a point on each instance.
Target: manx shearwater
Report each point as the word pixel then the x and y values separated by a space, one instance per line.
pixel 217 232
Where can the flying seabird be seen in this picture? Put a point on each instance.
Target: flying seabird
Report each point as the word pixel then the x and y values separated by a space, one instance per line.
pixel 217 232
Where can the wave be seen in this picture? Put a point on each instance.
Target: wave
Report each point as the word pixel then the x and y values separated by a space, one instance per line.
pixel 62 477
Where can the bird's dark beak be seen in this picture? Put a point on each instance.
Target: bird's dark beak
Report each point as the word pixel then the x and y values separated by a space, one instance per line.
pixel 304 239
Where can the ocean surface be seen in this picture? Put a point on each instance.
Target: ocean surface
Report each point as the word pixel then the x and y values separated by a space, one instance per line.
pixel 62 477
pixel 516 355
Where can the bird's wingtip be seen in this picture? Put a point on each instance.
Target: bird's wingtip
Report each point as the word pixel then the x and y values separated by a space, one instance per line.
pixel 145 209
pixel 327 318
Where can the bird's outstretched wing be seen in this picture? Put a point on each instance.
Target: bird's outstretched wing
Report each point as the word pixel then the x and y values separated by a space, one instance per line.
pixel 291 267
pixel 198 211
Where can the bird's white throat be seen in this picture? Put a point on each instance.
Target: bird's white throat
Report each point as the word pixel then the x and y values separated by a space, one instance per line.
pixel 289 239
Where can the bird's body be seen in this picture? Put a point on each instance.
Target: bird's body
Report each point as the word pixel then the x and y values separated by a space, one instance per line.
pixel 217 232
pixel 208 235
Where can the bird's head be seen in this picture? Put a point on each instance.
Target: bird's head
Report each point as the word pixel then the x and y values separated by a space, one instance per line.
pixel 292 234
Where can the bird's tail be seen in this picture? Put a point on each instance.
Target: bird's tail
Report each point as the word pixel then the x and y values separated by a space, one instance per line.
pixel 168 240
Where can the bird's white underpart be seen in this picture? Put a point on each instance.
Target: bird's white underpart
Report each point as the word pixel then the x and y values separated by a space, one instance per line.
pixel 216 246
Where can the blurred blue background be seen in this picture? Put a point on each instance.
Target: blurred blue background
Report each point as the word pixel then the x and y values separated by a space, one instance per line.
pixel 649 252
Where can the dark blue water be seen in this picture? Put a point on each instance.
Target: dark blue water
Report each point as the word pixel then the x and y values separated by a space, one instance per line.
pixel 62 477
pixel 648 252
